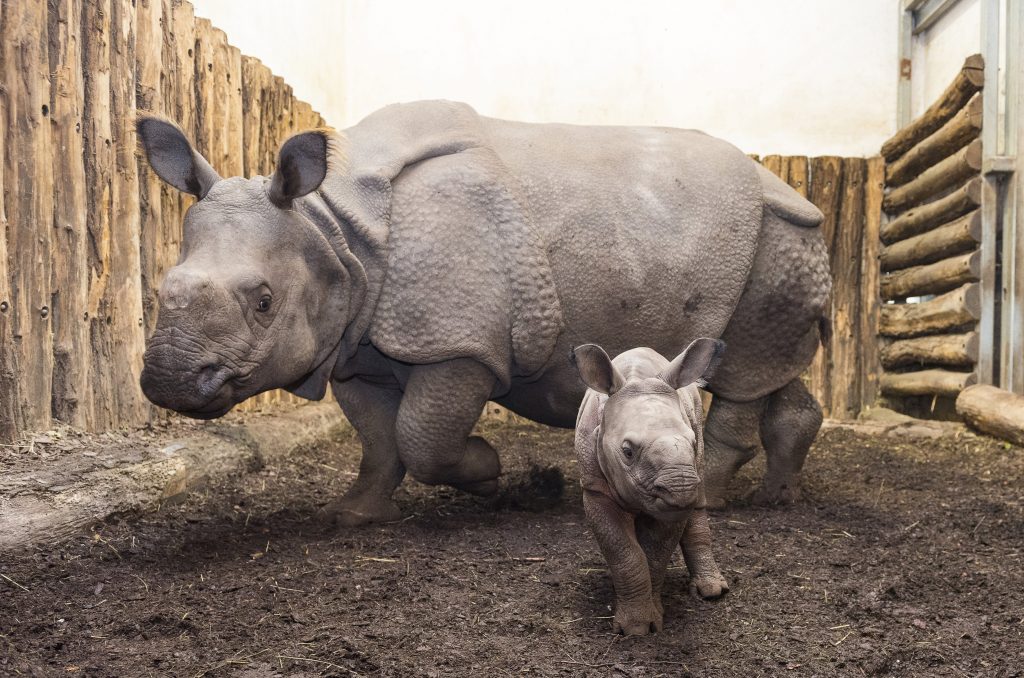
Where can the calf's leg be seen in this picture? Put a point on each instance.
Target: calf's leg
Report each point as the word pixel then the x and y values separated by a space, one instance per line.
pixel 615 531
pixel 658 540
pixel 788 427
pixel 441 404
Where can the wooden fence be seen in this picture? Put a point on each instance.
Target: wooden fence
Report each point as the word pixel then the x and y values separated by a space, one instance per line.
pixel 934 276
pixel 848 191
pixel 88 231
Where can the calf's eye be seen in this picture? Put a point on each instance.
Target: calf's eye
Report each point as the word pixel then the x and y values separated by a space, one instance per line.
pixel 263 305
pixel 627 449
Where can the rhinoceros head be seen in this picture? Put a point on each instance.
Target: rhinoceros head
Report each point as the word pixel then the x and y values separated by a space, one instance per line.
pixel 258 297
pixel 647 447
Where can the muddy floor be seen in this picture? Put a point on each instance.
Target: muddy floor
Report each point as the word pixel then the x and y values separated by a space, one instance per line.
pixel 905 558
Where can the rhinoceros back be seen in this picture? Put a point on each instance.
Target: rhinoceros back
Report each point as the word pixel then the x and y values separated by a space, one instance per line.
pixel 651 232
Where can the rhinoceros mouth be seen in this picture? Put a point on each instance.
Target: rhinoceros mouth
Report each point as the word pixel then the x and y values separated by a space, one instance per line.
pixel 212 413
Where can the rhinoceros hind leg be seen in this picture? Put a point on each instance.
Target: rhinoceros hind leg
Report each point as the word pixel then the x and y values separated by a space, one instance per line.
pixel 730 441
pixel 442 402
pixel 372 410
pixel 790 422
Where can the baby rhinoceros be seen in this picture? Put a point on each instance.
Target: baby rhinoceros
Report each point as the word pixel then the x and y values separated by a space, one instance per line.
pixel 640 445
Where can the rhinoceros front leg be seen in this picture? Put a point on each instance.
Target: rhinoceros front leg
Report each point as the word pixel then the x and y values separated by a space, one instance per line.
pixel 372 410
pixel 442 403
pixel 788 427
pixel 731 439
pixel 659 540
pixel 706 579
pixel 615 530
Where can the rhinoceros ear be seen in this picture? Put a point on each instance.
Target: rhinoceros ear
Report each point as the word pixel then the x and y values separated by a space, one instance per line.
pixel 172 157
pixel 301 167
pixel 596 368
pixel 694 365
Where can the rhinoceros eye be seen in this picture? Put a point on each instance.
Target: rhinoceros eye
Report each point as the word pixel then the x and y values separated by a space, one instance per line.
pixel 263 305
pixel 628 450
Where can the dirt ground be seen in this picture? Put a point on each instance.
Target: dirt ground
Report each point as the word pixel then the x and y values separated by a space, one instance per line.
pixel 905 558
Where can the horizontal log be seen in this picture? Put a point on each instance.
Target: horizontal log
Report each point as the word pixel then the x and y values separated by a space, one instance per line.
pixel 925 383
pixel 969 80
pixel 994 411
pixel 955 134
pixel 957 236
pixel 927 216
pixel 954 309
pixel 934 278
pixel 951 350
pixel 950 172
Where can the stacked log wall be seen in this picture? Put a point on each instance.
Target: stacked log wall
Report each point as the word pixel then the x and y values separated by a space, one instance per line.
pixel 87 231
pixel 930 260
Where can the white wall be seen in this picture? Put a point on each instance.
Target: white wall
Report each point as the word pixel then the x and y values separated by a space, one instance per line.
pixel 939 53
pixel 786 76
pixel 302 41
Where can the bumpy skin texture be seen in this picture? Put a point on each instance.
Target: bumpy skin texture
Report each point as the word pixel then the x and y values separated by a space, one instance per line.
pixel 640 448
pixel 428 259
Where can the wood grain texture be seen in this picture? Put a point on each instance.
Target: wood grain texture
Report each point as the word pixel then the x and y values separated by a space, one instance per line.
pixel 960 235
pixel 951 171
pixel 951 350
pixel 28 184
pixel 936 382
pixel 870 301
pixel 70 274
pixel 846 254
pixel 927 216
pixel 946 312
pixel 994 411
pixel 955 134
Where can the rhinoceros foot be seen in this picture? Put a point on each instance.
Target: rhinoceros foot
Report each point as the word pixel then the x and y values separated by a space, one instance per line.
pixel 481 488
pixel 773 495
pixel 362 510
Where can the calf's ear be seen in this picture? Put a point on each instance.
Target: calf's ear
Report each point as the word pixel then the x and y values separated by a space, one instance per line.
pixel 301 167
pixel 172 157
pixel 596 369
pixel 694 365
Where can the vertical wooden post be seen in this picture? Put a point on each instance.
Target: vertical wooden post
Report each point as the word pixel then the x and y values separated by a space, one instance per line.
pixel 10 388
pixel 149 42
pixel 125 299
pixel 70 275
pixel 870 367
pixel 824 192
pixel 846 262
pixel 28 181
pixel 99 168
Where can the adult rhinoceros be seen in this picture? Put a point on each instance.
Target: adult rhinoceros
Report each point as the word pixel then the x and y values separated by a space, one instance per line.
pixel 430 259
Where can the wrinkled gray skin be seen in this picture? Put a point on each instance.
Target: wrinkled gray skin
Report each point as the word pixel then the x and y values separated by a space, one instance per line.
pixel 429 259
pixel 640 446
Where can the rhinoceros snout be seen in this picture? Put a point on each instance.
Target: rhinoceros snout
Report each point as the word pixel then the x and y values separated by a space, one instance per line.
pixel 169 382
pixel 677 490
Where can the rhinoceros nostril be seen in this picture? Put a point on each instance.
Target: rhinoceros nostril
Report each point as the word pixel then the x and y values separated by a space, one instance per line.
pixel 210 378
